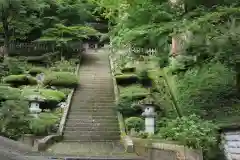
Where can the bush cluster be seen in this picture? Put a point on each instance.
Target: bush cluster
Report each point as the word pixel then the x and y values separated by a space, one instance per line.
pixel 128 97
pixel 36 70
pixel 18 80
pixel 209 92
pixel 135 123
pixel 61 79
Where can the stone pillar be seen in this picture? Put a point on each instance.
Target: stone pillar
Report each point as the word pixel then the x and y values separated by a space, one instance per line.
pixel 149 115
pixel 149 125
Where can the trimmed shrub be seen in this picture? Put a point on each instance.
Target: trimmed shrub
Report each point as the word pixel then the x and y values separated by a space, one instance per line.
pixel 9 93
pixel 48 94
pixel 18 80
pixel 128 97
pixel 63 79
pixel 43 58
pixel 64 66
pixel 128 70
pixel 15 66
pixel 134 122
pixel 14 119
pixel 44 125
pixel 134 92
pixel 144 78
pixel 127 79
pixel 36 70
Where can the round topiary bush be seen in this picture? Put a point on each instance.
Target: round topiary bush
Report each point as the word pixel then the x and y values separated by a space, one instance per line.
pixel 134 122
pixel 62 79
pixel 36 70
pixel 51 97
pixel 18 80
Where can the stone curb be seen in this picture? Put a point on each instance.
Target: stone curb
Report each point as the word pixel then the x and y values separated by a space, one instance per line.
pixel 127 141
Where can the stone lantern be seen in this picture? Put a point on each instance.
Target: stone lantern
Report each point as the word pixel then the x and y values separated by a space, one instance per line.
pixel 34 102
pixel 149 113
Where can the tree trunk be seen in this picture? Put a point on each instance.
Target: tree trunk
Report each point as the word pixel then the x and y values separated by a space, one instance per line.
pixel 6 33
pixel 238 77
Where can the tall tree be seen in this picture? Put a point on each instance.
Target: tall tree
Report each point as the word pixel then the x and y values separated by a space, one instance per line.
pixel 21 13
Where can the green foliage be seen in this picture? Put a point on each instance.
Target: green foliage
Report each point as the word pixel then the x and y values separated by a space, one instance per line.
pixel 133 92
pixel 190 131
pixel 14 118
pixel 18 80
pixel 45 124
pixel 126 79
pixel 15 65
pixel 134 122
pixel 208 91
pixel 47 94
pixel 43 59
pixel 128 69
pixel 127 99
pixel 9 93
pixel 64 79
pixel 64 66
pixel 36 70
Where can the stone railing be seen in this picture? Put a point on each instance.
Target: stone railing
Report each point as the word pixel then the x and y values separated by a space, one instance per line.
pixel 153 149
pixel 43 143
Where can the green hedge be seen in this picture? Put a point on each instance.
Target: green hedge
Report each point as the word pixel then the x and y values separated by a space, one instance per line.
pixel 18 80
pixel 134 122
pixel 133 92
pixel 128 70
pixel 127 79
pixel 44 125
pixel 43 58
pixel 36 70
pixel 128 97
pixel 63 79
pixel 48 94
pixel 9 93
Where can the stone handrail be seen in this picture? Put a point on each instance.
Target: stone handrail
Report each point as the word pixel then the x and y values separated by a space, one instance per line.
pixel 128 144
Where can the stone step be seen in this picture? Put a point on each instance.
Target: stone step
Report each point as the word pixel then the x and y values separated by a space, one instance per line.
pixel 92 113
pixel 92 133
pixel 93 128
pixel 87 138
pixel 93 106
pixel 93 110
pixel 91 117
pixel 106 125
pixel 103 102
pixel 96 121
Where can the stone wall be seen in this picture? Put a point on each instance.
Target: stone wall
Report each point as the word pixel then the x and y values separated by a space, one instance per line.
pixel 152 150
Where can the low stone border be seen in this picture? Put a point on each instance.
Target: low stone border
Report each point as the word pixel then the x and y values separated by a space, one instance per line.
pixel 43 143
pixel 127 142
pixel 165 149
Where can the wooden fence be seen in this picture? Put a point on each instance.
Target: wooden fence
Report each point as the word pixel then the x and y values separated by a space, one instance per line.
pixel 38 48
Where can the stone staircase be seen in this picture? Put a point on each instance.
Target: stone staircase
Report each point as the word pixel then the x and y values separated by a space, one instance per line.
pixel 92 116
pixel 92 127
